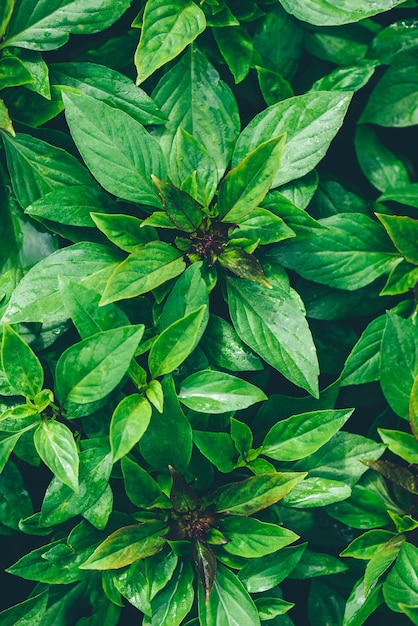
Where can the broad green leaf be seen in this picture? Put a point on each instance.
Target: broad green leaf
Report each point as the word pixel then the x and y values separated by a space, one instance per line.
pixel 269 608
pixel 393 101
pixel 363 509
pixel 255 493
pixel 140 487
pixel 273 86
pixel 168 439
pixel 155 394
pixel 5 14
pixel 192 96
pixel 404 233
pixel 301 435
pixel 209 391
pixel 117 149
pixel 353 252
pixel 401 279
pixel 126 545
pixel 28 613
pixel 99 512
pixel 37 167
pixel 167 28
pixel 189 293
pixel 173 603
pixel 367 544
pixel 313 564
pixel 125 231
pixel 404 193
pixel 394 39
pixel 271 322
pixel 242 264
pixel 37 298
pixel 20 364
pixel 359 606
pixel 229 603
pixel 219 448
pixel 262 225
pixel 89 370
pixel 183 210
pixel 15 502
pixel 113 88
pixel 326 13
pixel 297 220
pixel 62 503
pixel 5 121
pixel 245 186
pixel 401 585
pixel 311 121
pixel 325 605
pixel 82 305
pixel 225 349
pixel 413 408
pixel 268 571
pixel 399 362
pixel 6 447
pixel 54 442
pixel 349 78
pixel 236 46
pixel 129 421
pixel 382 168
pixel 401 444
pixel 71 205
pixel 251 538
pixel 152 265
pixel 381 561
pixel 38 26
pixel 363 362
pixel 316 492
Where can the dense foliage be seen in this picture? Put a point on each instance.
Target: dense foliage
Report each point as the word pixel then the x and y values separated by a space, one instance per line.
pixel 208 297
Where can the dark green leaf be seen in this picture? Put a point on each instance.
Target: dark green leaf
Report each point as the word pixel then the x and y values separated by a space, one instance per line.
pixel 251 538
pixel 359 606
pixel 236 46
pixel 325 605
pixel 404 233
pixel 313 564
pixel 243 264
pixel 268 571
pixel 363 509
pixel 140 487
pixel 219 448
pixel 15 502
pixel 363 362
pixel 225 349
pixel 205 565
pixel 28 613
pixel 325 13
pixel 21 366
pixel 55 445
pixel 401 585
pixel 171 605
pixel 129 421
pixel 183 210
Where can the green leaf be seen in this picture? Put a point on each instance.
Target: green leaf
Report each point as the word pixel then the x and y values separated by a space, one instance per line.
pixel 353 252
pixel 102 83
pixel 269 608
pixel 262 225
pixel 359 606
pixel 255 493
pixel 205 564
pixel 236 46
pixel 5 14
pixel 189 293
pixel 183 210
pixel 349 78
pixel 15 502
pixel 36 168
pixel 301 435
pixel 271 322
pixel 5 121
pixel 396 38
pixel 404 233
pixel 173 603
pixel 401 585
pixel 166 30
pixel 367 544
pixel 89 370
pixel 251 538
pixel 413 408
pixel 155 394
pixel 39 27
pixel 28 613
pixel 140 487
pixel 268 571
pixel 381 561
pixel 311 121
pixel 245 186
pixel 168 439
pixel 6 447
pixel 393 101
pixel 228 604
pixel 209 391
pixel 126 545
pixel 118 150
pixel 71 205
pixel 399 362
pixel 143 270
pixel 325 605
pixel 54 442
pixel 382 168
pixel 20 364
pixel 404 193
pixel 129 421
pixel 62 503
pixel 219 448
pixel 325 13
pixel 314 564
pixel 400 443
pixel 315 492
pixel 225 349
pixel 37 298
pixel 125 231
pixel 364 509
pixel 363 362
pixel 192 96
pixel 243 264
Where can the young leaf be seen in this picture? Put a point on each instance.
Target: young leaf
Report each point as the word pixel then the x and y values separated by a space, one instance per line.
pixel 41 27
pixel 271 322
pixel 167 29
pixel 219 448
pixel 251 538
pixel 127 545
pixel 400 443
pixel 183 210
pixel 262 225
pixel 255 493
pixel 228 603
pixel 206 566
pixel 209 391
pixel 55 444
pixel 21 366
pixel 236 46
pixel 129 421
pixel 404 233
pixel 100 130
pixel 151 266
pixel 140 487
pixel 311 121
pixel 243 264
pixel 301 435
pixel 381 561
pixel 245 186
pixel 89 370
